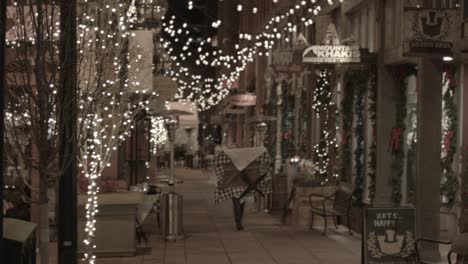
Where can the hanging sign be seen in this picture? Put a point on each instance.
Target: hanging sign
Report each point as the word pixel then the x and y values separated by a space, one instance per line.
pixel 247 99
pixel 389 235
pixel 331 50
pixel 140 74
pixel 430 32
pixel 287 60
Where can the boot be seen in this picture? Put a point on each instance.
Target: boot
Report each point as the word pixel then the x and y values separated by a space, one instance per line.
pixel 237 213
pixel 242 205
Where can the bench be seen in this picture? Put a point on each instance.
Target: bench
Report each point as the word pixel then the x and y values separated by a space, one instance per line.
pixel 458 247
pixel 341 206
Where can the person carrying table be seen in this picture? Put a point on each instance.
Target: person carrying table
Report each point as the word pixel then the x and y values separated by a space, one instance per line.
pixel 242 172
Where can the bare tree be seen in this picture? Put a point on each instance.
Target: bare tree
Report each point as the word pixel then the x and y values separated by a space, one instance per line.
pixel 30 124
pixel 109 97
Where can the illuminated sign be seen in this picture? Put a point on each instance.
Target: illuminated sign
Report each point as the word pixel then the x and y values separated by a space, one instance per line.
pixel 243 99
pixel 430 32
pixel 331 50
pixel 332 54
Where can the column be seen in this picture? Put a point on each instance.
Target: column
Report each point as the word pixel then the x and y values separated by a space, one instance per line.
pixel 385 121
pixel 279 132
pixel 428 170
pixel 2 106
pixel 385 118
pixel 67 202
pixel 463 138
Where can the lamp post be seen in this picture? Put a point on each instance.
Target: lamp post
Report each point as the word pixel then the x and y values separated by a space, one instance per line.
pixel 172 227
pixel 262 128
pixel 171 125
pixel 67 203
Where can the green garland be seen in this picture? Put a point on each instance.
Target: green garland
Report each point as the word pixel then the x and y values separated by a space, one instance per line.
pixel 287 142
pixel 347 105
pixel 397 136
pixel 360 79
pixel 449 184
pixel 372 163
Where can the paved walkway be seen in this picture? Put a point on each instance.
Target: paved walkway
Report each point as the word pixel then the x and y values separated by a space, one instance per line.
pixel 213 238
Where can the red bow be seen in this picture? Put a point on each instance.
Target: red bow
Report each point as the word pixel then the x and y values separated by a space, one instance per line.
pixel 448 140
pixel 395 139
pixel 345 137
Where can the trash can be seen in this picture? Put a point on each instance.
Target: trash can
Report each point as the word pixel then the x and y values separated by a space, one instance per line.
pixel 19 242
pixel 172 226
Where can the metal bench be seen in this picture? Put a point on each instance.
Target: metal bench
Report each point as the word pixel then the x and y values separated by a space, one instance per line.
pixel 458 248
pixel 341 206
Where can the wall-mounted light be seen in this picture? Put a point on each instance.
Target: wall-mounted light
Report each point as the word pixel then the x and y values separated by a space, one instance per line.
pixel 295 159
pixel 447 58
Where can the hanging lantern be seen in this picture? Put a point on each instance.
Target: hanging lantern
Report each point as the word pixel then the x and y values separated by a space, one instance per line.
pixel 150 12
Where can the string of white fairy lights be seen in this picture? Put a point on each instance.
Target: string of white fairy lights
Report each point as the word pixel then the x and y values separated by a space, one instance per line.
pixel 158 133
pixel 110 98
pixel 209 92
pixel 323 106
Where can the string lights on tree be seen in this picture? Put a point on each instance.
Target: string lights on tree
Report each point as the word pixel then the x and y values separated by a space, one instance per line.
pixel 110 96
pixel 324 108
pixel 158 133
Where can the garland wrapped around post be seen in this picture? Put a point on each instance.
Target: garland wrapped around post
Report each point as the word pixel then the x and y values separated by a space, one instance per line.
pixel 372 164
pixel 322 106
pixel 287 144
pixel 360 79
pixel 347 105
pixel 398 131
pixel 449 183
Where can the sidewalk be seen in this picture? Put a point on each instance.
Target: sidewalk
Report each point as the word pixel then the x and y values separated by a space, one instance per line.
pixel 212 237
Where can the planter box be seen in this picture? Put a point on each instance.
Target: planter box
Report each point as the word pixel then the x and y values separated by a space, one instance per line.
pixel 448 223
pixel 115 223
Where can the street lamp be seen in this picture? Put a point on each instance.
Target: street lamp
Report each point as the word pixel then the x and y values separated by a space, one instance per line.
pixel 172 227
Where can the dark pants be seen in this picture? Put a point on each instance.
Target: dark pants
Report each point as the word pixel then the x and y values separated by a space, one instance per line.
pixel 238 212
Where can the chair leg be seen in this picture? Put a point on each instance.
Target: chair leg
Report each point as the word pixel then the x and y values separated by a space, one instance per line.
pixel 325 227
pixel 449 257
pixel 335 222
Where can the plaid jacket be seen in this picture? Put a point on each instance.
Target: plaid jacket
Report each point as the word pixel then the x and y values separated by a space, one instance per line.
pixel 223 194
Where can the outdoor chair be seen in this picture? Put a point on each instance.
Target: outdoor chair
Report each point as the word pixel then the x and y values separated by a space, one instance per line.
pixel 458 248
pixel 341 206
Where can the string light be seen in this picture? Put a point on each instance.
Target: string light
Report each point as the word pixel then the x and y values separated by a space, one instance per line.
pixel 322 106
pixel 209 92
pixel 158 133
pixel 110 98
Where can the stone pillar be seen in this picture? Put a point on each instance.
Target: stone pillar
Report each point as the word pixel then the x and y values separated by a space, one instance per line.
pixel 279 132
pixel 428 170
pixel 385 117
pixel 463 224
pixel 385 122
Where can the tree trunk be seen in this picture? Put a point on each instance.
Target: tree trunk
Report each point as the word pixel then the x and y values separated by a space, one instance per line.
pixel 42 143
pixel 44 231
